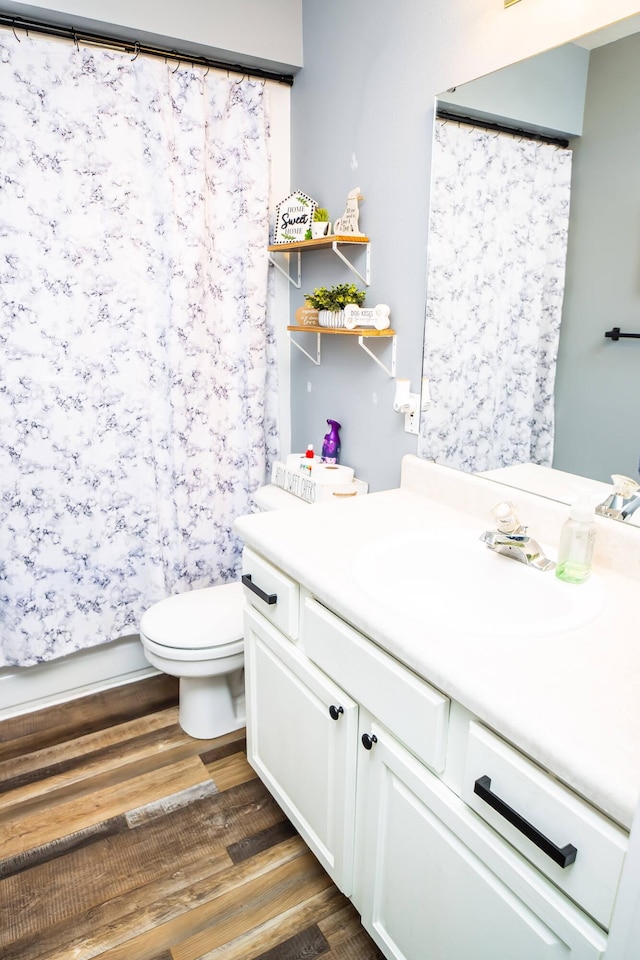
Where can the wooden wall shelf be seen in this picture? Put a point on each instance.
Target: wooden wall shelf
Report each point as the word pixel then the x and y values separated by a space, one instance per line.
pixel 323 243
pixel 342 331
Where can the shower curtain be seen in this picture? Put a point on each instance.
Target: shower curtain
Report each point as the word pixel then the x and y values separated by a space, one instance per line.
pixel 137 360
pixel 496 266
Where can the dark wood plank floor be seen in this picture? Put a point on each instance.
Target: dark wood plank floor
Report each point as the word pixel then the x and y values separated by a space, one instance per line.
pixel 123 838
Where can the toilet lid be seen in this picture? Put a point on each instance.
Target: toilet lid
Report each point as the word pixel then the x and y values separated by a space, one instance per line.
pixel 208 617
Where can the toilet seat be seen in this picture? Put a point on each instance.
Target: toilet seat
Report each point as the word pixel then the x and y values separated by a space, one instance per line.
pixel 200 624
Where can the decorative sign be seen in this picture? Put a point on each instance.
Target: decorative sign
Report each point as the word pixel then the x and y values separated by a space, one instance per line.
pixel 348 222
pixel 378 317
pixel 306 316
pixel 294 217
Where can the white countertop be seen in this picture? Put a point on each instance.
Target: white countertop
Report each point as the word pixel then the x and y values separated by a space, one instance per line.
pixel 571 701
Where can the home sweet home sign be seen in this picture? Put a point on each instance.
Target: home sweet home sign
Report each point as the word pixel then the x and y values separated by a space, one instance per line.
pixel 294 216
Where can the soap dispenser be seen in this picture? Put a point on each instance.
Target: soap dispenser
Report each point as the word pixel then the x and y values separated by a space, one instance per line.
pixel 577 539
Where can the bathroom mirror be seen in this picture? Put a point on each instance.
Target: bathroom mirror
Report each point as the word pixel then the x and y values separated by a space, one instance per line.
pixel 584 93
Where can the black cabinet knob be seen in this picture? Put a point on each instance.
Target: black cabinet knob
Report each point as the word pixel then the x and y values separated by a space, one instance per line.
pixel 334 712
pixel 368 741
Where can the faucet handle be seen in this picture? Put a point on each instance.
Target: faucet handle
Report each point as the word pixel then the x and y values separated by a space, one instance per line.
pixel 505 516
pixel 624 486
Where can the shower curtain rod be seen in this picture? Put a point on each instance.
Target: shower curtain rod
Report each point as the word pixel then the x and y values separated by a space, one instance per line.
pixel 136 47
pixel 501 128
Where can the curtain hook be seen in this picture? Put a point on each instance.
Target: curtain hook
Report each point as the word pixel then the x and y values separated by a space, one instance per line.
pixel 75 40
pixel 136 51
pixel 207 72
pixel 13 27
pixel 177 68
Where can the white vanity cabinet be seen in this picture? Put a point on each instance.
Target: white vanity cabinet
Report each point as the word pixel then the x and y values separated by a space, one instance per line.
pixel 434 882
pixel 301 740
pixel 354 746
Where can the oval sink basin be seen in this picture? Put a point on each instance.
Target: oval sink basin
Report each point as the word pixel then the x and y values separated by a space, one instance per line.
pixel 454 581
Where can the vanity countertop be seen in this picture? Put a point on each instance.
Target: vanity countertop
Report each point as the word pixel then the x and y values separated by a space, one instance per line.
pixel 570 700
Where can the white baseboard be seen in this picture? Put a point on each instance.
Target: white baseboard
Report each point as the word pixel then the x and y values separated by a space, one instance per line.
pixel 24 689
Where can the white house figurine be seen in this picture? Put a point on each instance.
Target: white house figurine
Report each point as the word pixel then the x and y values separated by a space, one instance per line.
pixel 294 217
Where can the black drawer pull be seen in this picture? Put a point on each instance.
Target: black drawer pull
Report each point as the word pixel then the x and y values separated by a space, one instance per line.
pixel 563 856
pixel 269 598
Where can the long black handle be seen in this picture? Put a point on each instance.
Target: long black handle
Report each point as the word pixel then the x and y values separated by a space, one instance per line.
pixel 563 856
pixel 269 598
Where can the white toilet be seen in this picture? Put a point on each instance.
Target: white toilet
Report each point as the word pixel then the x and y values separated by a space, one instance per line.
pixel 198 637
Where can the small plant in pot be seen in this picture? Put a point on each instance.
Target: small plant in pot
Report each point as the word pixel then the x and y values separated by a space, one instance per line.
pixel 331 301
pixel 320 226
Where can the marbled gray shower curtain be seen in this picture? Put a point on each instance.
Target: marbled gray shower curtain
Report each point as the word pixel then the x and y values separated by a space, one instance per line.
pixel 496 269
pixel 137 364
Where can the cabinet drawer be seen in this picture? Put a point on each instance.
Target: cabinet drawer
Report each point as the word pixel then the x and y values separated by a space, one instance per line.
pixel 271 592
pixel 546 822
pixel 417 714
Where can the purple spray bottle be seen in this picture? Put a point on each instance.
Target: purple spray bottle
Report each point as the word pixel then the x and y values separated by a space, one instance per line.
pixel 331 445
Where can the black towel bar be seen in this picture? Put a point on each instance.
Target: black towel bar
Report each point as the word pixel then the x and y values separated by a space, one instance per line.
pixel 616 335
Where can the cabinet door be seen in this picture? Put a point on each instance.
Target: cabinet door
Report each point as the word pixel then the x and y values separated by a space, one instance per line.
pixel 302 742
pixel 437 884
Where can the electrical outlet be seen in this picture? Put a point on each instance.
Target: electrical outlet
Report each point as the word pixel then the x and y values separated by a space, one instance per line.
pixel 412 422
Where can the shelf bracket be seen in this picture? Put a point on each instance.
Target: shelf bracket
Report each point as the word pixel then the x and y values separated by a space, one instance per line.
pixel 286 273
pixel 391 372
pixel 366 279
pixel 315 359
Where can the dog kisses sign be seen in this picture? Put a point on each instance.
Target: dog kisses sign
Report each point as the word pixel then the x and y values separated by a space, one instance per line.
pixel 294 216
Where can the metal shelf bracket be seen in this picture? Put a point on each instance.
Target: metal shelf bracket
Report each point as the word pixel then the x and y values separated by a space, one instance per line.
pixel 286 273
pixel 366 279
pixel 317 357
pixel 390 371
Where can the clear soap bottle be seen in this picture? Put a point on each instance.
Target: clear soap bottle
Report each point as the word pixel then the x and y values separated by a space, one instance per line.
pixel 577 539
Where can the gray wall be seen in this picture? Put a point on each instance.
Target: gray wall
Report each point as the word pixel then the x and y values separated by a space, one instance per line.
pixel 545 94
pixel 598 381
pixel 363 98
pixel 362 115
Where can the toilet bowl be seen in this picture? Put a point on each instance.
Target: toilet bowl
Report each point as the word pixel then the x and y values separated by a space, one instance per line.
pixel 197 636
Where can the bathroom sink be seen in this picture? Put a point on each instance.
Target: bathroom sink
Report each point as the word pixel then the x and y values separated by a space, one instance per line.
pixel 452 580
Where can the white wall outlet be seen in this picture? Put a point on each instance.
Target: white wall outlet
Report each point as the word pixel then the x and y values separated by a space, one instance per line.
pixel 412 419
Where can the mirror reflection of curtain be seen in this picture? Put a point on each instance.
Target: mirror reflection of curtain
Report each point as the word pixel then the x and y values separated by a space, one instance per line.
pixel 496 267
pixel 137 370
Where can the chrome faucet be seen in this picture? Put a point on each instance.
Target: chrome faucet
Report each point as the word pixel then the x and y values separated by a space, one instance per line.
pixel 624 501
pixel 631 507
pixel 511 539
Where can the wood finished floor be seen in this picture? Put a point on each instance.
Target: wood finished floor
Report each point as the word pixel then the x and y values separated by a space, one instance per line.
pixel 124 839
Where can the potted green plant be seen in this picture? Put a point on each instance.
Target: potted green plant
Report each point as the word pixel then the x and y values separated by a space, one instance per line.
pixel 331 301
pixel 320 226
